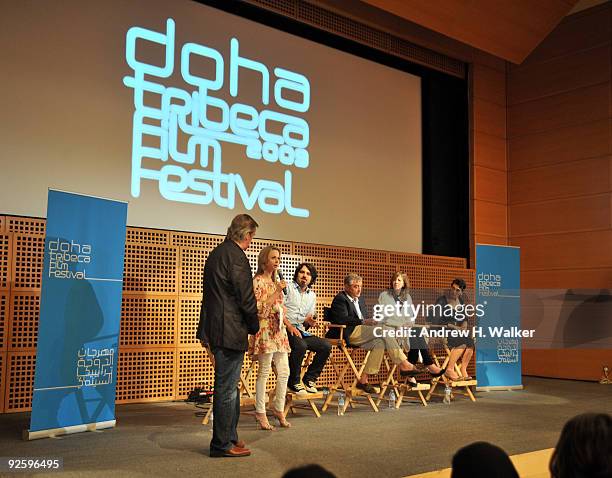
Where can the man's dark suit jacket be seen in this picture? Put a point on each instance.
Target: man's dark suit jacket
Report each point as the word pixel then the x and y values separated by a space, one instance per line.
pixel 229 309
pixel 343 312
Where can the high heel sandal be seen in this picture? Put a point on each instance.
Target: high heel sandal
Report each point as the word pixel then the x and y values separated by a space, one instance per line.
pixel 280 416
pixel 452 379
pixel 262 421
pixel 438 374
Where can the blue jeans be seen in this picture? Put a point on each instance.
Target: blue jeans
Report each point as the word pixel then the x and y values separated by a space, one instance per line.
pixel 226 403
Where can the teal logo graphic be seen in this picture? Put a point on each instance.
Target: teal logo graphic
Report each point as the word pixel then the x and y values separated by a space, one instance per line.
pixel 194 173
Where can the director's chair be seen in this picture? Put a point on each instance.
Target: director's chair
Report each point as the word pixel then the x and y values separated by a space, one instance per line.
pixel 342 368
pixel 458 386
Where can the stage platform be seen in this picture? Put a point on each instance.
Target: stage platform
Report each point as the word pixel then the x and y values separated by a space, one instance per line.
pixel 168 439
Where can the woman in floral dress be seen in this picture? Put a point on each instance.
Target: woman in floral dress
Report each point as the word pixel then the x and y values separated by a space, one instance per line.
pixel 271 342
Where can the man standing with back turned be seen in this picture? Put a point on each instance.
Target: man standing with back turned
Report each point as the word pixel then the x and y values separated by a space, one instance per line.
pixel 228 315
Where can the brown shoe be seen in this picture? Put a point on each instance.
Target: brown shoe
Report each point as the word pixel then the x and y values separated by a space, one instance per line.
pixel 240 444
pixel 232 452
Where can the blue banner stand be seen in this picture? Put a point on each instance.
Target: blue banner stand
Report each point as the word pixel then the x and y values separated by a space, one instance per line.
pixel 80 312
pixel 498 357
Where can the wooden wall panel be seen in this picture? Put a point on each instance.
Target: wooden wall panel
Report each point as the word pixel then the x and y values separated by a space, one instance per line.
pixel 489 118
pixel 6 259
pixel 23 320
pixel 489 84
pixel 566 251
pixel 577 178
pixel 27 262
pixel 560 162
pixel 490 185
pixel 25 225
pixel 559 75
pixel 583 213
pixel 562 145
pixel 5 308
pixel 579 364
pixel 490 239
pixel 19 381
pixel 490 218
pixel 3 387
pixel 145 375
pixel 567 278
pixel 490 151
pixel 159 356
pixel 573 107
pixel 148 321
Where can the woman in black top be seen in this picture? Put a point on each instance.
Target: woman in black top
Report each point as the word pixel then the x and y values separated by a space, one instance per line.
pixel 461 347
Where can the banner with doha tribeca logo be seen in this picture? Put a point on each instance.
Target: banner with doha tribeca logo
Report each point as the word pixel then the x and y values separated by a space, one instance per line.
pixel 80 311
pixel 498 359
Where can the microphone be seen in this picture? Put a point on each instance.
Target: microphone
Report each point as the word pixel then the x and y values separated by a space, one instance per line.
pixel 279 277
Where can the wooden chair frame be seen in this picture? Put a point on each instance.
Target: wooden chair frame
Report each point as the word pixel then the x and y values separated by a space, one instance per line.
pixel 350 393
pixel 458 386
pixel 290 406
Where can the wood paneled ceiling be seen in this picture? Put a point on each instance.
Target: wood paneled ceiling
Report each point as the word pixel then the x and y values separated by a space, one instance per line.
pixel 509 29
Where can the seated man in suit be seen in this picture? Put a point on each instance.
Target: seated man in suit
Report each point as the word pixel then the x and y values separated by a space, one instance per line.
pixel 348 308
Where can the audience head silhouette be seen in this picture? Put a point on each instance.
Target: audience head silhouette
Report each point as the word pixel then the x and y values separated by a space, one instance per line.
pixel 584 448
pixel 309 471
pixel 482 460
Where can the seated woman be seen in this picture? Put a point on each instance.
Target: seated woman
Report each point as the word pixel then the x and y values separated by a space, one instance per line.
pixel 349 310
pixel 461 347
pixel 399 293
pixel 271 342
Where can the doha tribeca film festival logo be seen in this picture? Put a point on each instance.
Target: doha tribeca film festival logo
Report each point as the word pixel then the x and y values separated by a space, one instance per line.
pixel 195 173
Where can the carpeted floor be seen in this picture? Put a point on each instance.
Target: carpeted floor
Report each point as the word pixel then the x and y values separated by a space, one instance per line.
pixel 167 439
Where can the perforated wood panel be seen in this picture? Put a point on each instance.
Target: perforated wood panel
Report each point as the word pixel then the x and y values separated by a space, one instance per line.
pixel 159 357
pixel 26 225
pixel 4 320
pixel 330 281
pixel 258 244
pixel 429 283
pixel 19 381
pixel 332 253
pixel 5 261
pixel 27 263
pixel 3 358
pixel 136 235
pixel 148 321
pixel 194 369
pixel 191 271
pixel 2 224
pixel 145 375
pixel 150 268
pixel 23 328
pixel 188 319
pixel 188 239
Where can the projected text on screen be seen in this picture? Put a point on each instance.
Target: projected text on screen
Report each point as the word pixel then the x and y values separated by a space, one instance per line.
pixel 194 174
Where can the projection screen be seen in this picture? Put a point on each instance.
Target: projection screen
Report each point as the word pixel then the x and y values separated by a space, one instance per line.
pixel 194 115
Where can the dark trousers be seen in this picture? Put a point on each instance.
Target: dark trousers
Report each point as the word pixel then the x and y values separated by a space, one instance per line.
pixel 418 344
pixel 299 346
pixel 226 403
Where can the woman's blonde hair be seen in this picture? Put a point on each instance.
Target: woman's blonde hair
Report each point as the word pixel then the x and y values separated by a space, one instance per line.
pixel 262 258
